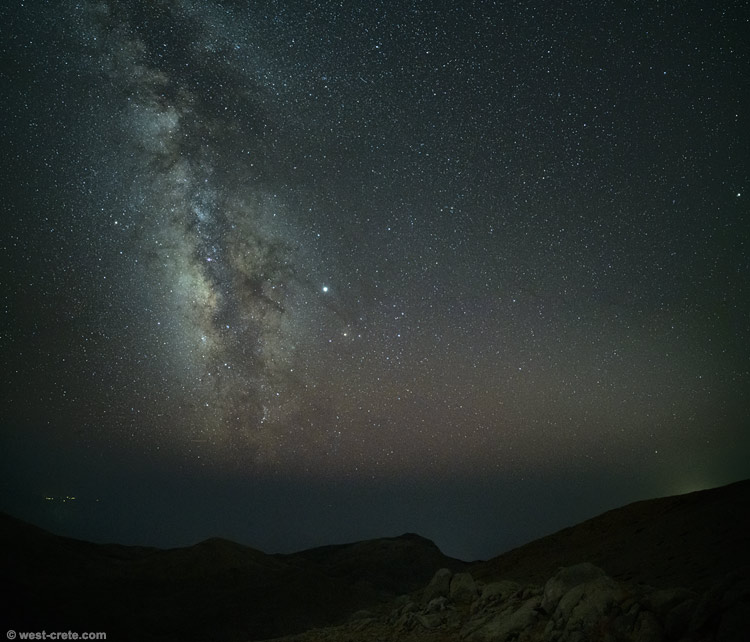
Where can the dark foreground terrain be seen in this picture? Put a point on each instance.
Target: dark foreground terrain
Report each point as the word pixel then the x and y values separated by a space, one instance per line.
pixel 672 569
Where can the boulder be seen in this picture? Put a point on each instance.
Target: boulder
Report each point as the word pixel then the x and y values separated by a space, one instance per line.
pixel 431 620
pixel 508 624
pixel 495 593
pixel 439 586
pixel 662 601
pixel 567 603
pixel 402 608
pixel 735 605
pixel 623 624
pixel 566 579
pixel 677 621
pixel 733 623
pixel 407 622
pixel 598 599
pixel 463 589
pixel 409 607
pixel 437 605
pixel 647 628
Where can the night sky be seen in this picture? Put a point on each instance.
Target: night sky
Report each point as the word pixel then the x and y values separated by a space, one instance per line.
pixel 299 273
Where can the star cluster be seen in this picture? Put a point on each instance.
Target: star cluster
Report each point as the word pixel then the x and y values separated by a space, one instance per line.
pixel 379 238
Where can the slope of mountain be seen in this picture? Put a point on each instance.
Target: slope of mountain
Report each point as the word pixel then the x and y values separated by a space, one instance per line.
pixel 688 540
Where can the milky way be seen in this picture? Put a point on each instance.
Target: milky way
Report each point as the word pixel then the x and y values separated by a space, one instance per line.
pixel 221 267
pixel 379 241
pixel 224 294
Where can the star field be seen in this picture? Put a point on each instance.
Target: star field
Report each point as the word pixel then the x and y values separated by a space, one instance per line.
pixel 379 240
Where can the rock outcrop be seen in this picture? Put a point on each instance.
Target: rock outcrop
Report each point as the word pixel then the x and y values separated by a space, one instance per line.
pixel 579 603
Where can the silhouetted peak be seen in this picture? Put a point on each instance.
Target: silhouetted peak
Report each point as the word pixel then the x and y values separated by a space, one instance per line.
pixel 415 537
